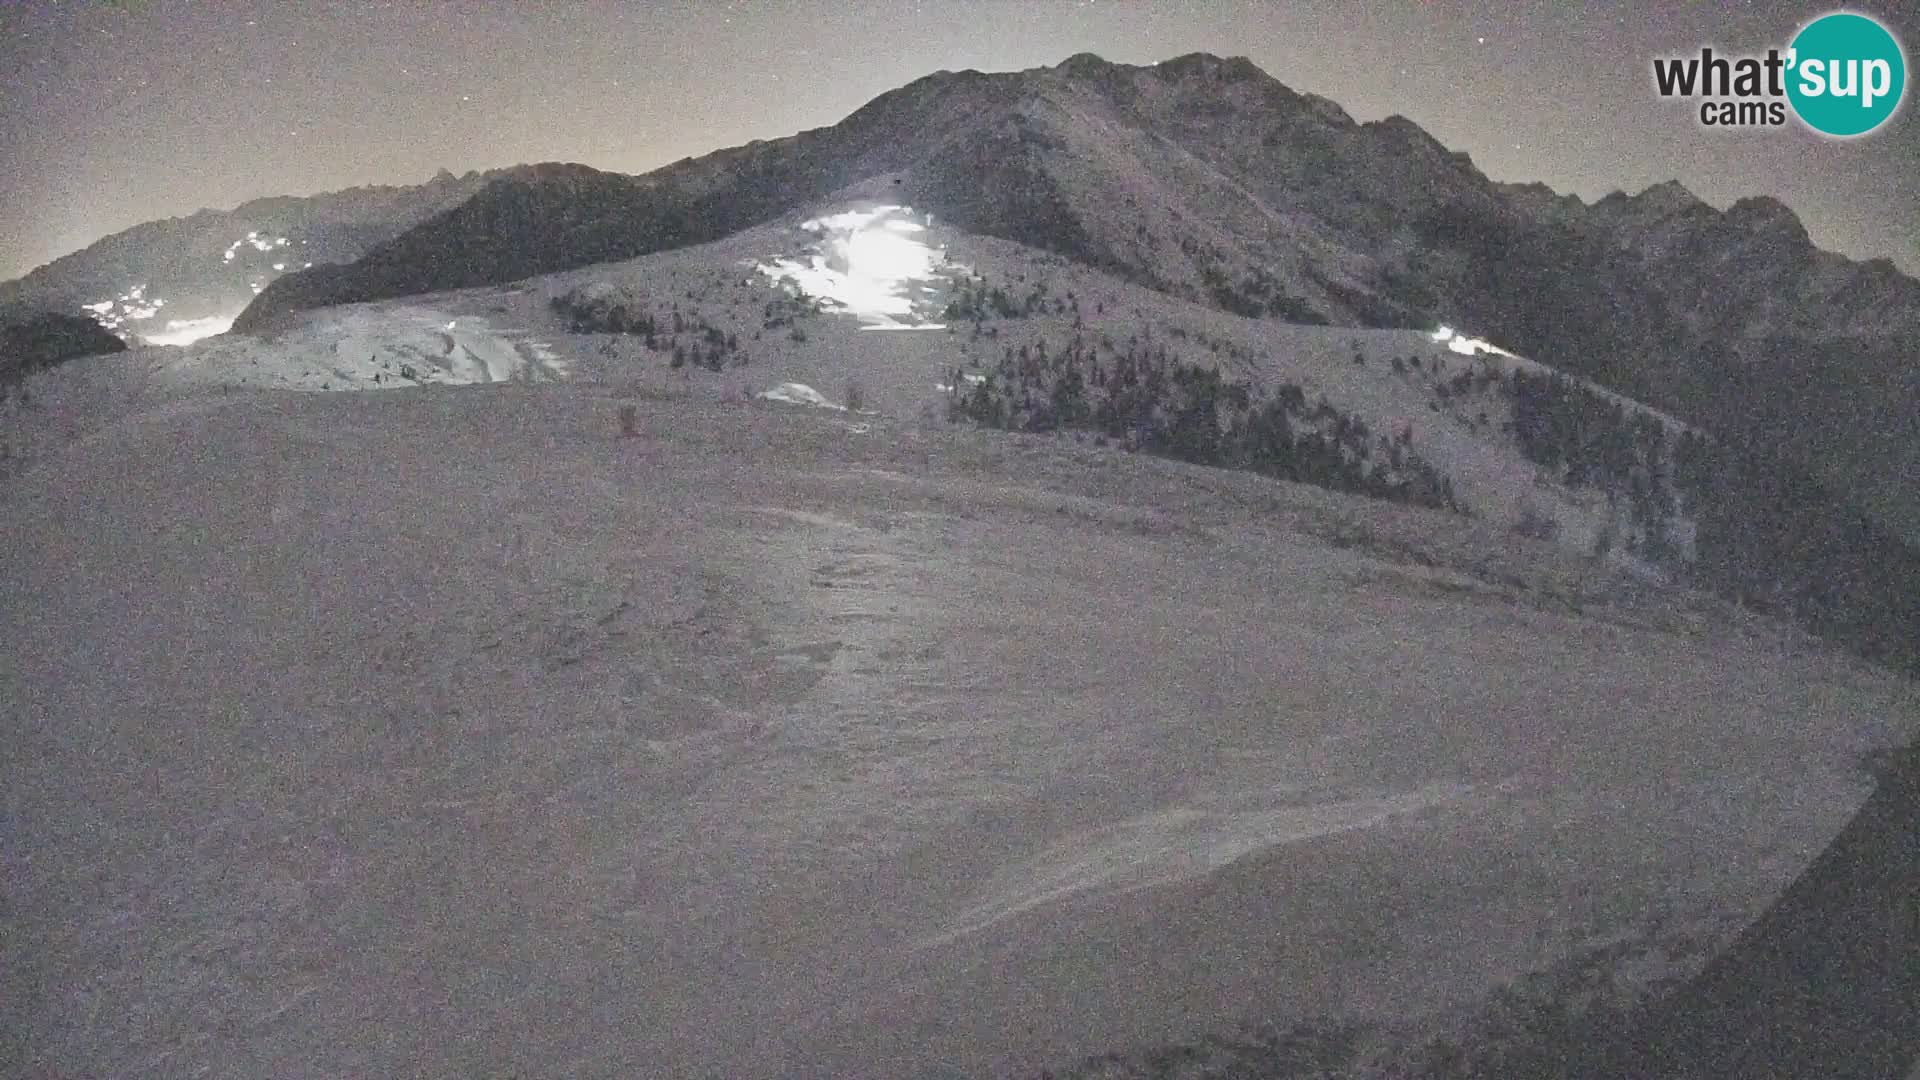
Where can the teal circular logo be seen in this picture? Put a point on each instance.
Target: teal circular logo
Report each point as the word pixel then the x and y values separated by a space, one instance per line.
pixel 1846 74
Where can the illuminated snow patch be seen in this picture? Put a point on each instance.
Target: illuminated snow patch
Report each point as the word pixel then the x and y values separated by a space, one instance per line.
pixel 969 378
pixel 188 331
pixel 258 243
pixel 368 349
pixel 794 393
pixel 131 306
pixel 1467 346
pixel 869 264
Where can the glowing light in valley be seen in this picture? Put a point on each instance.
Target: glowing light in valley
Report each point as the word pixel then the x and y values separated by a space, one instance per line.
pixel 868 263
pixel 135 305
pixel 188 331
pixel 130 306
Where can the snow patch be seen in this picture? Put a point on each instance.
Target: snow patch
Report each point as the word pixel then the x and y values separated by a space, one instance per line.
pixel 367 348
pixel 799 394
pixel 969 378
pixel 1183 842
pixel 1467 346
pixel 870 264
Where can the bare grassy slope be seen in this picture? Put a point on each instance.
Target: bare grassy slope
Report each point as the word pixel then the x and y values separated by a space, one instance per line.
pixel 443 732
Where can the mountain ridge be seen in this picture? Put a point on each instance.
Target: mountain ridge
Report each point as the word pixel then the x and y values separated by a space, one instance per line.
pixel 1206 178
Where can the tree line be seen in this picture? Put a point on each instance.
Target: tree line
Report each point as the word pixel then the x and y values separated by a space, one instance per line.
pixel 1767 532
pixel 1151 401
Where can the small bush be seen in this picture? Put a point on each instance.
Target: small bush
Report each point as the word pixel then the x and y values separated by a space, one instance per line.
pixel 629 421
pixel 1604 540
pixel 856 398
pixel 1535 523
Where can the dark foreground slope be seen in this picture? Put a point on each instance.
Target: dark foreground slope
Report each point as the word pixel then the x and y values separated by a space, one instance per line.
pixel 1826 983
pixel 33 341
pixel 345 735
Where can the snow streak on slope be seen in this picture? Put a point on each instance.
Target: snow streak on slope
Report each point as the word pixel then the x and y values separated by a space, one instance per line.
pixel 368 348
pixel 1171 845
pixel 871 264
pixel 1468 346
pixel 798 394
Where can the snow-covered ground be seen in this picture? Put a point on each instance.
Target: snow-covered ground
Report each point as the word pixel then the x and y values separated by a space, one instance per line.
pixel 364 347
pixel 798 394
pixel 452 733
pixel 873 264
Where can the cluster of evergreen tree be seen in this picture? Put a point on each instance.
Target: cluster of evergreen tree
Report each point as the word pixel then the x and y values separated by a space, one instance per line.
pixel 1768 533
pixel 706 346
pixel 975 301
pixel 1156 403
pixel 1776 538
pixel 1257 296
pixel 788 311
pixel 1586 439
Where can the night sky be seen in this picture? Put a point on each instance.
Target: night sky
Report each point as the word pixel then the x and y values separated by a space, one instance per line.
pixel 117 113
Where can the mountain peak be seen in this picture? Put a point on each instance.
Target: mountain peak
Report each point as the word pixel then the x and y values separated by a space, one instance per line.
pixel 1084 63
pixel 1670 195
pixel 1417 141
pixel 1207 65
pixel 1765 214
pixel 1657 203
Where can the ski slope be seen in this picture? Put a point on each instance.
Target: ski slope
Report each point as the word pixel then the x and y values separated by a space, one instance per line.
pixel 450 732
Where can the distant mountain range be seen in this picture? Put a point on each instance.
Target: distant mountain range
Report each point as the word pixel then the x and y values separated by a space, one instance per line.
pixel 1202 177
pixel 207 267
